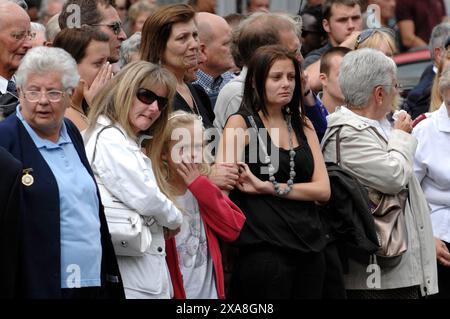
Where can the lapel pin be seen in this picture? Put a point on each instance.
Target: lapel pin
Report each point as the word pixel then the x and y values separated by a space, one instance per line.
pixel 27 179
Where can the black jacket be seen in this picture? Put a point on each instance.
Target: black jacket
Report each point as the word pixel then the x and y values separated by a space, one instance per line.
pixel 347 216
pixel 419 98
pixel 10 182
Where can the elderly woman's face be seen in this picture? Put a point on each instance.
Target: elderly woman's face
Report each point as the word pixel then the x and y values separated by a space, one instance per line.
pixel 182 47
pixel 143 114
pixel 44 116
pixel 390 99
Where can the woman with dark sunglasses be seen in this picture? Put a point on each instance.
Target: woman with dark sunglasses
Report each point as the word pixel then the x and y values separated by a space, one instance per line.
pixel 131 108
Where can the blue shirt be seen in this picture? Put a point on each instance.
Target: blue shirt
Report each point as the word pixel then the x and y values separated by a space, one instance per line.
pixel 317 113
pixel 212 86
pixel 81 250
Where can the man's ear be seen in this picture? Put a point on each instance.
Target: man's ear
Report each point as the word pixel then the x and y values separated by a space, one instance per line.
pixel 378 94
pixel 438 55
pixel 202 53
pixel 326 25
pixel 323 79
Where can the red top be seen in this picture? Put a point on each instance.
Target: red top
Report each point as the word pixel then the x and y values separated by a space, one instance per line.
pixel 221 217
pixel 425 14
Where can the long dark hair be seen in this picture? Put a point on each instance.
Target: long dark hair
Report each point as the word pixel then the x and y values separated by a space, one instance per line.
pixel 254 98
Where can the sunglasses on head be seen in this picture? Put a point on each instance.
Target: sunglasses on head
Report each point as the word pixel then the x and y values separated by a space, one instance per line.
pixel 148 97
pixel 367 33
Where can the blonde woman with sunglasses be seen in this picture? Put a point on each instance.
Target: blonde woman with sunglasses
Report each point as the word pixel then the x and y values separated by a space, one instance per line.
pixel 131 108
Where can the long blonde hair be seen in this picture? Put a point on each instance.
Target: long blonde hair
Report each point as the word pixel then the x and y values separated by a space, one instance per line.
pixel 436 98
pixel 116 98
pixel 159 147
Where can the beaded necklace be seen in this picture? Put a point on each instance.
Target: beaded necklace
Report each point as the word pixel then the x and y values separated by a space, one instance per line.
pixel 271 168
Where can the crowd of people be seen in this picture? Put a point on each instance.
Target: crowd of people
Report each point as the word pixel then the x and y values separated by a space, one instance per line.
pixel 156 151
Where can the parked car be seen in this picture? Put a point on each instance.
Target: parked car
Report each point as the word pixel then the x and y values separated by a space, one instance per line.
pixel 410 66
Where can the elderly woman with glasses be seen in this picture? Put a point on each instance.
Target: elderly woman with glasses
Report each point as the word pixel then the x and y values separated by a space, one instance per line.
pixel 134 107
pixel 381 158
pixel 433 135
pixel 66 250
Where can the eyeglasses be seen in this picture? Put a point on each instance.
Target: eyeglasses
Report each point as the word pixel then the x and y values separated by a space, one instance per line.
pixel 52 95
pixel 20 36
pixel 397 86
pixel 365 34
pixel 115 26
pixel 148 97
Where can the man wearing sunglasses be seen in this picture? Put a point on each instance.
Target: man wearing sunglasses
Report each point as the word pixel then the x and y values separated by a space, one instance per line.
pixel 99 13
pixel 15 41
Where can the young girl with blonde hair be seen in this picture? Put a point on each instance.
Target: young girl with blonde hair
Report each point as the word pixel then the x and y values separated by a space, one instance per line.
pixel 193 256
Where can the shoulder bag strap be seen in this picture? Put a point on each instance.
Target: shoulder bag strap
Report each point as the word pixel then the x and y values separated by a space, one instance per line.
pixel 98 135
pixel 255 127
pixel 338 145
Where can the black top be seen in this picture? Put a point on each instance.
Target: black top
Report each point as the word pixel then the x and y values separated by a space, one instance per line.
pixel 8 104
pixel 274 221
pixel 10 218
pixel 201 100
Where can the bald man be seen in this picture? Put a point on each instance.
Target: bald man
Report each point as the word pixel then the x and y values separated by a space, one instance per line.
pixel 215 38
pixel 15 41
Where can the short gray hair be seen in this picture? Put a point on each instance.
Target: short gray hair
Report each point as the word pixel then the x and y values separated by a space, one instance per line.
pixel 129 46
pixel 444 82
pixel 42 60
pixel 438 37
pixel 38 27
pixel 361 71
pixel 260 29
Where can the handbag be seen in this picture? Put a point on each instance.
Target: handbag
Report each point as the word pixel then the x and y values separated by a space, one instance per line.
pixel 389 217
pixel 130 232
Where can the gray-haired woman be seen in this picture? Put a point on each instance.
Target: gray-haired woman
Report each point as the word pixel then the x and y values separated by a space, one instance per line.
pixel 381 157
pixel 66 249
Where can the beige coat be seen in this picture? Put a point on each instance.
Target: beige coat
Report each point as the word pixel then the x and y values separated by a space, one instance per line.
pixel 387 167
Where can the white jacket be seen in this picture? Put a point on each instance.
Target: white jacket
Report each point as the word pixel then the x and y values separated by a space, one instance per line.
pixel 123 169
pixel 432 169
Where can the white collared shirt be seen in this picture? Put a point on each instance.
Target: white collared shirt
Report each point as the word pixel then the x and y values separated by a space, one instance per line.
pixel 3 85
pixel 383 126
pixel 432 169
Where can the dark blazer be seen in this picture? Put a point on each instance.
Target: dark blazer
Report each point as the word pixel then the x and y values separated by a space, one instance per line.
pixel 40 270
pixel 418 100
pixel 10 183
pixel 202 101
pixel 347 215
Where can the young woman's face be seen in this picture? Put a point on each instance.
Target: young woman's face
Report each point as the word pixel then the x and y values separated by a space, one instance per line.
pixel 96 56
pixel 143 115
pixel 186 144
pixel 280 83
pixel 182 47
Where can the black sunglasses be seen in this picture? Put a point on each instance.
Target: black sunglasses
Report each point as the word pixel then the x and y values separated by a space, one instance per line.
pixel 148 97
pixel 116 27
